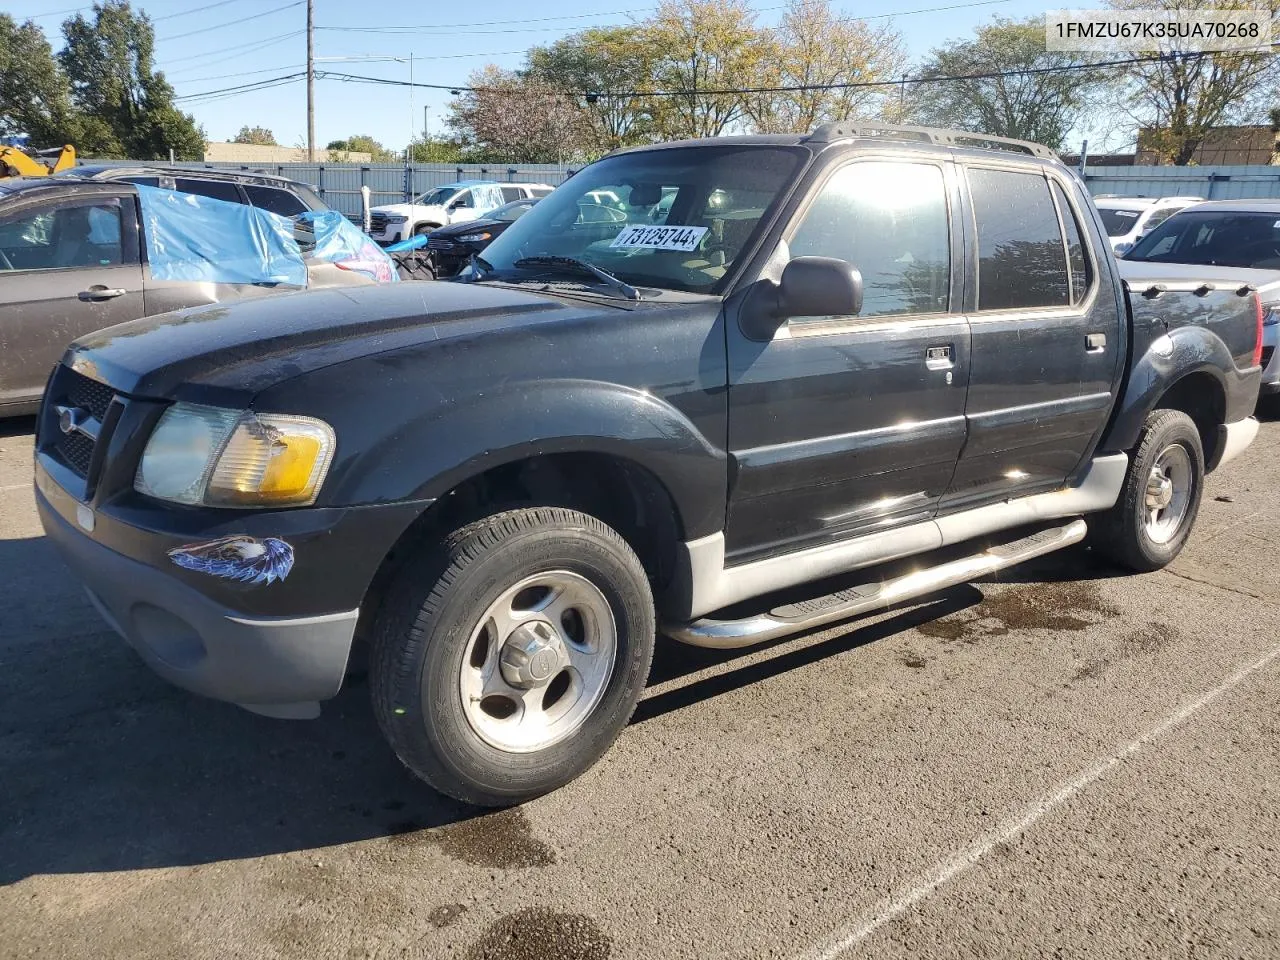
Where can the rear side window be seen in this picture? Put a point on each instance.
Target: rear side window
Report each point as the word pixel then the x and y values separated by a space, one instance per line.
pixel 890 221
pixel 215 189
pixel 539 191
pixel 277 201
pixel 1022 262
pixel 512 193
pixel 1076 259
pixel 1159 216
pixel 145 181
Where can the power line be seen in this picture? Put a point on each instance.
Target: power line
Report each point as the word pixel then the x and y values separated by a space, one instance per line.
pixel 233 23
pixel 205 9
pixel 256 44
pixel 443 29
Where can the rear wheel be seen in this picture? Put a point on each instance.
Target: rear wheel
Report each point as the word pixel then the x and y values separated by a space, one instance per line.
pixel 508 658
pixel 1151 521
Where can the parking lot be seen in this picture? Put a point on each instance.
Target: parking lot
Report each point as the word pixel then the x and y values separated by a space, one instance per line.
pixel 1068 763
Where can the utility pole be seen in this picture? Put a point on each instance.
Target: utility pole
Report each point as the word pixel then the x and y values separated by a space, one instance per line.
pixel 311 81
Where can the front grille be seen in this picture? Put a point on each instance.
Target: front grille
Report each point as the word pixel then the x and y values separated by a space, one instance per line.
pixel 377 222
pixel 90 395
pixel 1266 356
pixel 92 400
pixel 76 451
pixel 439 243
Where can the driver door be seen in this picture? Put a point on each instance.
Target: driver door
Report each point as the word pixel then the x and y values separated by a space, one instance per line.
pixel 462 207
pixel 71 266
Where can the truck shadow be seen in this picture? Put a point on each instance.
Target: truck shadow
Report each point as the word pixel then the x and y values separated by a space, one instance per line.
pixel 105 767
pixel 17 426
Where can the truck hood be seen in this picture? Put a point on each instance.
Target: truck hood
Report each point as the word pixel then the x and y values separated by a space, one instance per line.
pixel 1143 271
pixel 227 353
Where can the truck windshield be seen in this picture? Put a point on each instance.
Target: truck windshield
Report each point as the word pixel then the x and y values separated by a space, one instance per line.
pixel 437 197
pixel 1118 222
pixel 1214 238
pixel 675 218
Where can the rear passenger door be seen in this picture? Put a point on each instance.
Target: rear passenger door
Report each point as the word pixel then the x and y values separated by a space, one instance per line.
pixel 1045 337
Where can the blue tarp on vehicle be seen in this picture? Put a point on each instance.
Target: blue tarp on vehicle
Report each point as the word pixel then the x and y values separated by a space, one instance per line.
pixel 190 237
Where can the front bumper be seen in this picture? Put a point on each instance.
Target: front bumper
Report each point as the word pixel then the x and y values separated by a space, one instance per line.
pixel 391 233
pixel 282 666
pixel 275 646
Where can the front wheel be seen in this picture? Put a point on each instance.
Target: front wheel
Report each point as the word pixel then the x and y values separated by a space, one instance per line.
pixel 509 658
pixel 1151 521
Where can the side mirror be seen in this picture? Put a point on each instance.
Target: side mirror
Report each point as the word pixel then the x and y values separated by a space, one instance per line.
pixel 819 287
pixel 810 287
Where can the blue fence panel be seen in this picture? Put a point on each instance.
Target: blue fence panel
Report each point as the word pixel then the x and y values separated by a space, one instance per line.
pixel 1211 183
pixel 339 183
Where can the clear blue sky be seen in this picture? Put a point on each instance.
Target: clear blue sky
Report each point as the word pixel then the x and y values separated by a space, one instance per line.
pixel 204 45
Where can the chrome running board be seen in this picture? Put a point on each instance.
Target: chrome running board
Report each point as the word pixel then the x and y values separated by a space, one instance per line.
pixel 864 598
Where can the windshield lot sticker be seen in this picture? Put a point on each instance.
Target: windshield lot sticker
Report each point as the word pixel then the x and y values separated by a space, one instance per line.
pixel 644 237
pixel 242 558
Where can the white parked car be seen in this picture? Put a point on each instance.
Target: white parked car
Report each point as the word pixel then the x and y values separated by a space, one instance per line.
pixel 1129 219
pixel 440 206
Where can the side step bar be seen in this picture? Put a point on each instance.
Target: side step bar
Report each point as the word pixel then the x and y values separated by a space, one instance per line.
pixel 794 617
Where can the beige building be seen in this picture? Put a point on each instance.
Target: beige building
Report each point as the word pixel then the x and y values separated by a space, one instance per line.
pixel 258 153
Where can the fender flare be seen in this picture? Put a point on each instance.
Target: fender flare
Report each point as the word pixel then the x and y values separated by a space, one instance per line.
pixel 1170 358
pixel 441 447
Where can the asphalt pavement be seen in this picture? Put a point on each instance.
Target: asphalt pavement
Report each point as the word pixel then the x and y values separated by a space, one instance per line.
pixel 1071 762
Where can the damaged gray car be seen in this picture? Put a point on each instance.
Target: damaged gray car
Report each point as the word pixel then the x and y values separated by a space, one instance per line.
pixel 80 255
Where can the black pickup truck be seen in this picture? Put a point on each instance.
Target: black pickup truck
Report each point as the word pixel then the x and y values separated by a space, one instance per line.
pixel 793 357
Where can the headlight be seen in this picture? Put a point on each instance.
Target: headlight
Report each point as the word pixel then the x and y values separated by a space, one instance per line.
pixel 396 218
pixel 207 455
pixel 474 237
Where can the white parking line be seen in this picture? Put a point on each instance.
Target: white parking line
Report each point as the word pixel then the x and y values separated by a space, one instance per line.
pixel 946 870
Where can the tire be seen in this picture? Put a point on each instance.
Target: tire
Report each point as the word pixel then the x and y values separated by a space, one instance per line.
pixel 1127 532
pixel 422 228
pixel 438 655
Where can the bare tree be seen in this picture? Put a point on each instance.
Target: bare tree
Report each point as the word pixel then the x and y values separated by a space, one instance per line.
pixel 813 48
pixel 1179 98
pixel 513 118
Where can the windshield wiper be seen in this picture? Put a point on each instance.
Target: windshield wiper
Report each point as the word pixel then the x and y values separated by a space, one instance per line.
pixel 582 266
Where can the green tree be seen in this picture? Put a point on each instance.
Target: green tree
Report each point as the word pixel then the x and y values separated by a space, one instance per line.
pixel 35 97
pixel 363 143
pixel 603 60
pixel 1179 98
pixel 699 46
pixel 1041 107
pixel 256 135
pixel 814 47
pixel 437 150
pixel 113 80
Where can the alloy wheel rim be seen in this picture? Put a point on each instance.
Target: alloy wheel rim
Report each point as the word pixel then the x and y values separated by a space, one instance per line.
pixel 538 661
pixel 1167 497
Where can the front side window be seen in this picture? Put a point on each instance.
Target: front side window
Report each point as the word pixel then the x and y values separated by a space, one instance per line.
pixel 67 235
pixel 675 218
pixel 462 200
pixel 889 220
pixel 1022 260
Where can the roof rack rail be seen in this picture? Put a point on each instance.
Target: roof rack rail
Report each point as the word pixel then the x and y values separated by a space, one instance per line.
pixel 847 129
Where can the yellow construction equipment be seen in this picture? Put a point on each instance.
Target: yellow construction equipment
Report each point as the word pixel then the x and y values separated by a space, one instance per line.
pixel 16 163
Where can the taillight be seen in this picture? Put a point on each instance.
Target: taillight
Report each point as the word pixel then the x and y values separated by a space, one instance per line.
pixel 1257 344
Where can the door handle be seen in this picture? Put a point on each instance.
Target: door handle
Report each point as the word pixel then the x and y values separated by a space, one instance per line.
pixel 939 358
pixel 99 292
pixel 1095 342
